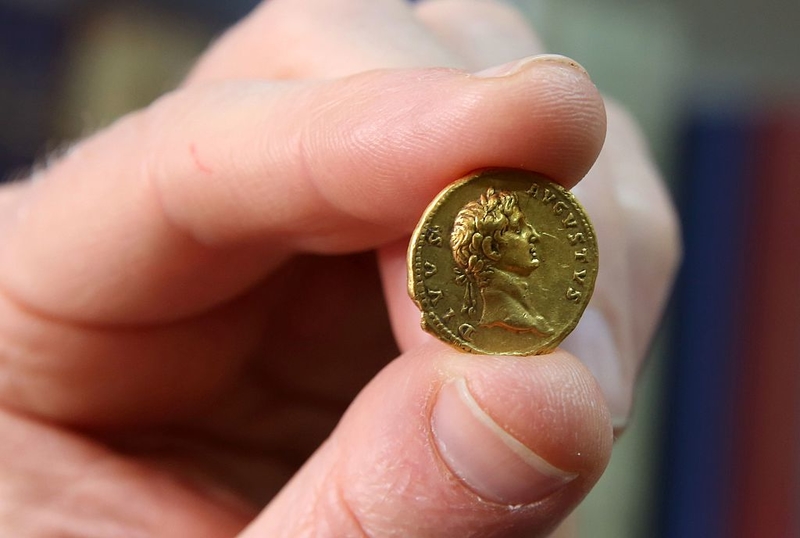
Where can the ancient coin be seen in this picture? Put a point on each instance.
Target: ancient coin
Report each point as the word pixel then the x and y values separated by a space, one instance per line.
pixel 503 262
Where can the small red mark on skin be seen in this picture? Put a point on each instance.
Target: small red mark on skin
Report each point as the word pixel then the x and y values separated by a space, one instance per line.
pixel 200 166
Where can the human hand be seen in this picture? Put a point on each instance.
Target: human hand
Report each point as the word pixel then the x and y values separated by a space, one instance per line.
pixel 177 335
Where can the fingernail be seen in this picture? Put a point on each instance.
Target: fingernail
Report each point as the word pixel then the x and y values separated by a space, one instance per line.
pixel 489 460
pixel 593 343
pixel 512 68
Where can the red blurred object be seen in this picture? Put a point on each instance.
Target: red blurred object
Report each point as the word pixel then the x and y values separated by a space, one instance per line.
pixel 767 452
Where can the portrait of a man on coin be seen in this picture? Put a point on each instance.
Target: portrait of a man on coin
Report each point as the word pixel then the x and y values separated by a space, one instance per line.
pixel 494 248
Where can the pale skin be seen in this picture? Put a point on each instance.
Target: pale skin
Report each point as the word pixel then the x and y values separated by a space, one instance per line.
pixel 167 363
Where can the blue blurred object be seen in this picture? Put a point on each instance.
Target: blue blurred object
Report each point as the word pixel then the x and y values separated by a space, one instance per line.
pixel 33 43
pixel 700 403
pixel 30 47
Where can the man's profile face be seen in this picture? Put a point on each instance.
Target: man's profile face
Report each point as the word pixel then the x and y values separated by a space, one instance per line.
pixel 517 246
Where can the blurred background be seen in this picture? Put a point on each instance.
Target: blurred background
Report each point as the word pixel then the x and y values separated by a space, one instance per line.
pixel 714 446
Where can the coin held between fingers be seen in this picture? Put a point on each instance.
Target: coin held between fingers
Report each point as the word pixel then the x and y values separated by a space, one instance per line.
pixel 503 262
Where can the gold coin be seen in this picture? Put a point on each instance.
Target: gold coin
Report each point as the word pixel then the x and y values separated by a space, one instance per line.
pixel 503 262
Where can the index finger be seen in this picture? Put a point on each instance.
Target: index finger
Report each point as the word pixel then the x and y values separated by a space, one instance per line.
pixel 327 38
pixel 181 207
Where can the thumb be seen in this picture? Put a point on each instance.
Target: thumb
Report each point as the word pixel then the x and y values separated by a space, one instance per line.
pixel 446 444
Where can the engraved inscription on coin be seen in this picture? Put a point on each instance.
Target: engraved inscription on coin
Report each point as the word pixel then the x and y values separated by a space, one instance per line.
pixel 503 262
